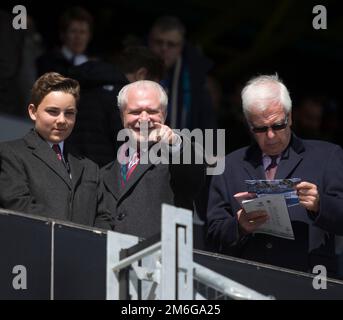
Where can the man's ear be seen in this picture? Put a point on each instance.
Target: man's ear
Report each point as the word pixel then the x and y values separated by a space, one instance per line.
pixel 290 118
pixel 32 111
pixel 141 74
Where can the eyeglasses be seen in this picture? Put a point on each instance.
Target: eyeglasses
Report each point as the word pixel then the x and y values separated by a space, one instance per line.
pixel 274 127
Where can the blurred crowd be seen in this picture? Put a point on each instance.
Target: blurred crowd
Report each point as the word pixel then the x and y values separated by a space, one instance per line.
pixel 198 97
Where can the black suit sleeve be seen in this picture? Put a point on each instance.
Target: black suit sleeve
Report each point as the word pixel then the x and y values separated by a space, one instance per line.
pixel 188 177
pixel 222 222
pixel 104 218
pixel 330 216
pixel 14 186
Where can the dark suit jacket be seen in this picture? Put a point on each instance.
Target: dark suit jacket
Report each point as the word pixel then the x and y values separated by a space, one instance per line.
pixel 136 208
pixel 53 61
pixel 33 180
pixel 98 119
pixel 317 162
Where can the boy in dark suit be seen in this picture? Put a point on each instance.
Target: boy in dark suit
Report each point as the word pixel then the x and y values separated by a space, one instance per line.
pixel 38 175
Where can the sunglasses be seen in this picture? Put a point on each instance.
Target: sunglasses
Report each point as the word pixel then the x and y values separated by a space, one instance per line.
pixel 274 127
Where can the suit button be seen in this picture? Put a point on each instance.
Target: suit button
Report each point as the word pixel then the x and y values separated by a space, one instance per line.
pixel 121 216
pixel 269 245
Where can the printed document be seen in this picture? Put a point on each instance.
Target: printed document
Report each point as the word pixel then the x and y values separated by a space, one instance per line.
pixel 279 223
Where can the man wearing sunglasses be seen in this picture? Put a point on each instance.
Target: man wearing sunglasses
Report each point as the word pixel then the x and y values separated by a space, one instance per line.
pixel 278 154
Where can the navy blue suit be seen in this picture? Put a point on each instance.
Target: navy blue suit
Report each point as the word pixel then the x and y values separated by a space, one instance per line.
pixel 316 162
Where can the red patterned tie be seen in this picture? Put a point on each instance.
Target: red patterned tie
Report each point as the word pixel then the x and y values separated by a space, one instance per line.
pixel 127 169
pixel 57 149
pixel 271 169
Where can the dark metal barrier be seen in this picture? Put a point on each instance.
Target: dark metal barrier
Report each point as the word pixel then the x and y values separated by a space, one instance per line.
pixel 59 260
pixel 269 280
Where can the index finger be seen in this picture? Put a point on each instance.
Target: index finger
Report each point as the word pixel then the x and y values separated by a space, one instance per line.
pixel 158 124
pixel 304 185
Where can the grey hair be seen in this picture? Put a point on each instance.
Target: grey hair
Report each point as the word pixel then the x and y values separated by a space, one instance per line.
pixel 142 84
pixel 260 91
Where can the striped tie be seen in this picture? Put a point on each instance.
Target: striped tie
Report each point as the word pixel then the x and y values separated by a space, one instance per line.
pixel 271 169
pixel 127 169
pixel 57 149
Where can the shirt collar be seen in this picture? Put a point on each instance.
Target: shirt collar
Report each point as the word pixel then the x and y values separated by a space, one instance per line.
pixel 267 160
pixel 77 58
pixel 61 145
pixel 67 53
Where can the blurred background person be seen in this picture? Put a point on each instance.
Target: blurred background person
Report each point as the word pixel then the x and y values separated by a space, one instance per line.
pixel 76 28
pixel 31 50
pixel 308 117
pixel 10 62
pixel 316 117
pixel 190 103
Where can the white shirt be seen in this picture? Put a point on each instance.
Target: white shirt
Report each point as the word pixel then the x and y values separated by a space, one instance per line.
pixel 61 145
pixel 77 58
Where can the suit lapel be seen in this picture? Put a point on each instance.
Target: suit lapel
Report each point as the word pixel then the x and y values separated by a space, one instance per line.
pixel 76 168
pixel 135 177
pixel 253 163
pixel 137 174
pixel 290 159
pixel 112 179
pixel 42 150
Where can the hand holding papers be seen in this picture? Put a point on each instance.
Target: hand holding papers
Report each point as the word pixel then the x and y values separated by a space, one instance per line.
pixel 279 223
pixel 286 187
pixel 242 196
pixel 308 196
pixel 273 197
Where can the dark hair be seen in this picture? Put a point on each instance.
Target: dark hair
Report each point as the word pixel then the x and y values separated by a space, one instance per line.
pixel 135 57
pixel 75 14
pixel 53 81
pixel 169 23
